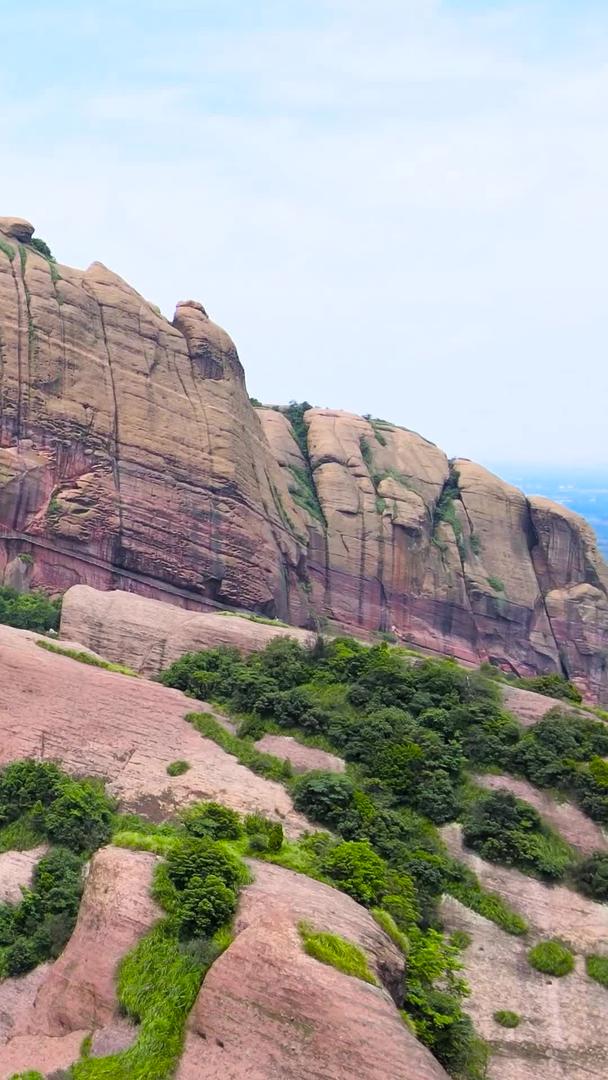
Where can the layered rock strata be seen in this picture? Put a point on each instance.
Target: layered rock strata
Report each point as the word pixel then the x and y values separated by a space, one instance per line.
pixel 132 458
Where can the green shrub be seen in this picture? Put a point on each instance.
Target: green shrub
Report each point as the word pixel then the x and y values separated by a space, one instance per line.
pixel 178 768
pixel 503 828
pixel 552 685
pixel 201 857
pixel 337 952
pixel 212 820
pixel 265 835
pixel 80 817
pixel 41 247
pixel 204 905
pixel 507 1019
pixel 326 797
pixel 358 871
pixel 552 958
pixel 29 611
pixel 597 968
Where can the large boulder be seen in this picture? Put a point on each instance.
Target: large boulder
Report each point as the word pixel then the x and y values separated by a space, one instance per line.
pixel 147 635
pixel 268 1010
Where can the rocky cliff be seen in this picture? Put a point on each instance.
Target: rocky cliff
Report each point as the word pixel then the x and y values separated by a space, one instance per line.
pixel 131 457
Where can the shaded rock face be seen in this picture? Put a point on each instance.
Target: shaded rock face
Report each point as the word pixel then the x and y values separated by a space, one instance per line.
pixel 268 1010
pixel 132 458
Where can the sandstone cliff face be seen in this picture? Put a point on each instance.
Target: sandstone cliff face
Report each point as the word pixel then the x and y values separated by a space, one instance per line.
pixel 132 458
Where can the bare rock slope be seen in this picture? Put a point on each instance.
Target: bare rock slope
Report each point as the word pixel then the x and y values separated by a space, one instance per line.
pixel 131 457
pixel 124 730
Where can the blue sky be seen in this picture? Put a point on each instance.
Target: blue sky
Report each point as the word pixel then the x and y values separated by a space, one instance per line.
pixel 397 208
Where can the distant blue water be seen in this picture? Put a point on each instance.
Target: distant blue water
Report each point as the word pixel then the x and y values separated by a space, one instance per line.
pixel 582 490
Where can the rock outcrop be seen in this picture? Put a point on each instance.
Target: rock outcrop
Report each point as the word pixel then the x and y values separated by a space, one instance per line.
pixel 45 1015
pixel 266 1009
pixel 147 635
pixel 124 730
pixel 132 458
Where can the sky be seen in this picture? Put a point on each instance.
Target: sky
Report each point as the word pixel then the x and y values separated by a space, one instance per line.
pixel 395 207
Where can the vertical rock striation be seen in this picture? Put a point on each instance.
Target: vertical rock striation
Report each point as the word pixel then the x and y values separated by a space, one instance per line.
pixel 131 457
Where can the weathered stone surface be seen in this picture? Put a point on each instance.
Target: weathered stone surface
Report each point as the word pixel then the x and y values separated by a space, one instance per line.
pixel 124 730
pixel 268 1010
pixel 302 757
pixel 131 457
pixel 575 827
pixel 527 706
pixel 45 1015
pixel 561 1035
pixel 116 910
pixel 550 910
pixel 147 635
pixel 16 870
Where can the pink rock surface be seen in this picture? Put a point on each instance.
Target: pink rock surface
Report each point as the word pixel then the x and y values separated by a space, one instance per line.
pixel 561 1035
pixel 302 757
pixel 550 910
pixel 124 730
pixel 527 706
pixel 111 412
pixel 267 1010
pixel 148 635
pixel 16 870
pixel 45 1015
pixel 575 827
pixel 115 912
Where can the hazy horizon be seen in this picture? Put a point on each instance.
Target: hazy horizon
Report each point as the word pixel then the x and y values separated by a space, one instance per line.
pixel 395 209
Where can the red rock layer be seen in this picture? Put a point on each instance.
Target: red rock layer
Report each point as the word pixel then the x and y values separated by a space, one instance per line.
pixel 132 458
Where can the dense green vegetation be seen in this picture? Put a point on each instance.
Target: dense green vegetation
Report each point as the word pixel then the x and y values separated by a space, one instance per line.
pixel 591 877
pixel 411 731
pixel 552 958
pixel 197 886
pixel 505 829
pixel 85 658
pixel 40 803
pixel 29 611
pixel 336 951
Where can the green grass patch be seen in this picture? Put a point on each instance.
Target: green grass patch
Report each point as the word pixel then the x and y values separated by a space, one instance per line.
pixel 8 249
pixel 85 658
pixel 507 1019
pixel 337 952
pixel 22 834
pixel 496 584
pixel 243 749
pixel 388 924
pixel 178 768
pixel 157 986
pixel 552 958
pixel 252 617
pixel 597 968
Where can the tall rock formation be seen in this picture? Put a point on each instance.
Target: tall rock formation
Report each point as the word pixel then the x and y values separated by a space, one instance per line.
pixel 131 457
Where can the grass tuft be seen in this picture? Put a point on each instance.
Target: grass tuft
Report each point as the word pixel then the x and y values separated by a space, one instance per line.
pixel 551 958
pixel 178 768
pixel 597 968
pixel 507 1019
pixel 337 952
pixel 85 658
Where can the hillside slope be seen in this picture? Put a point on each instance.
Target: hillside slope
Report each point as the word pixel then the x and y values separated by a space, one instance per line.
pixel 131 457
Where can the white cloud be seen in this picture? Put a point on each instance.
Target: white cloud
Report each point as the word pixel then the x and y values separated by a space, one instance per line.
pixel 397 209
